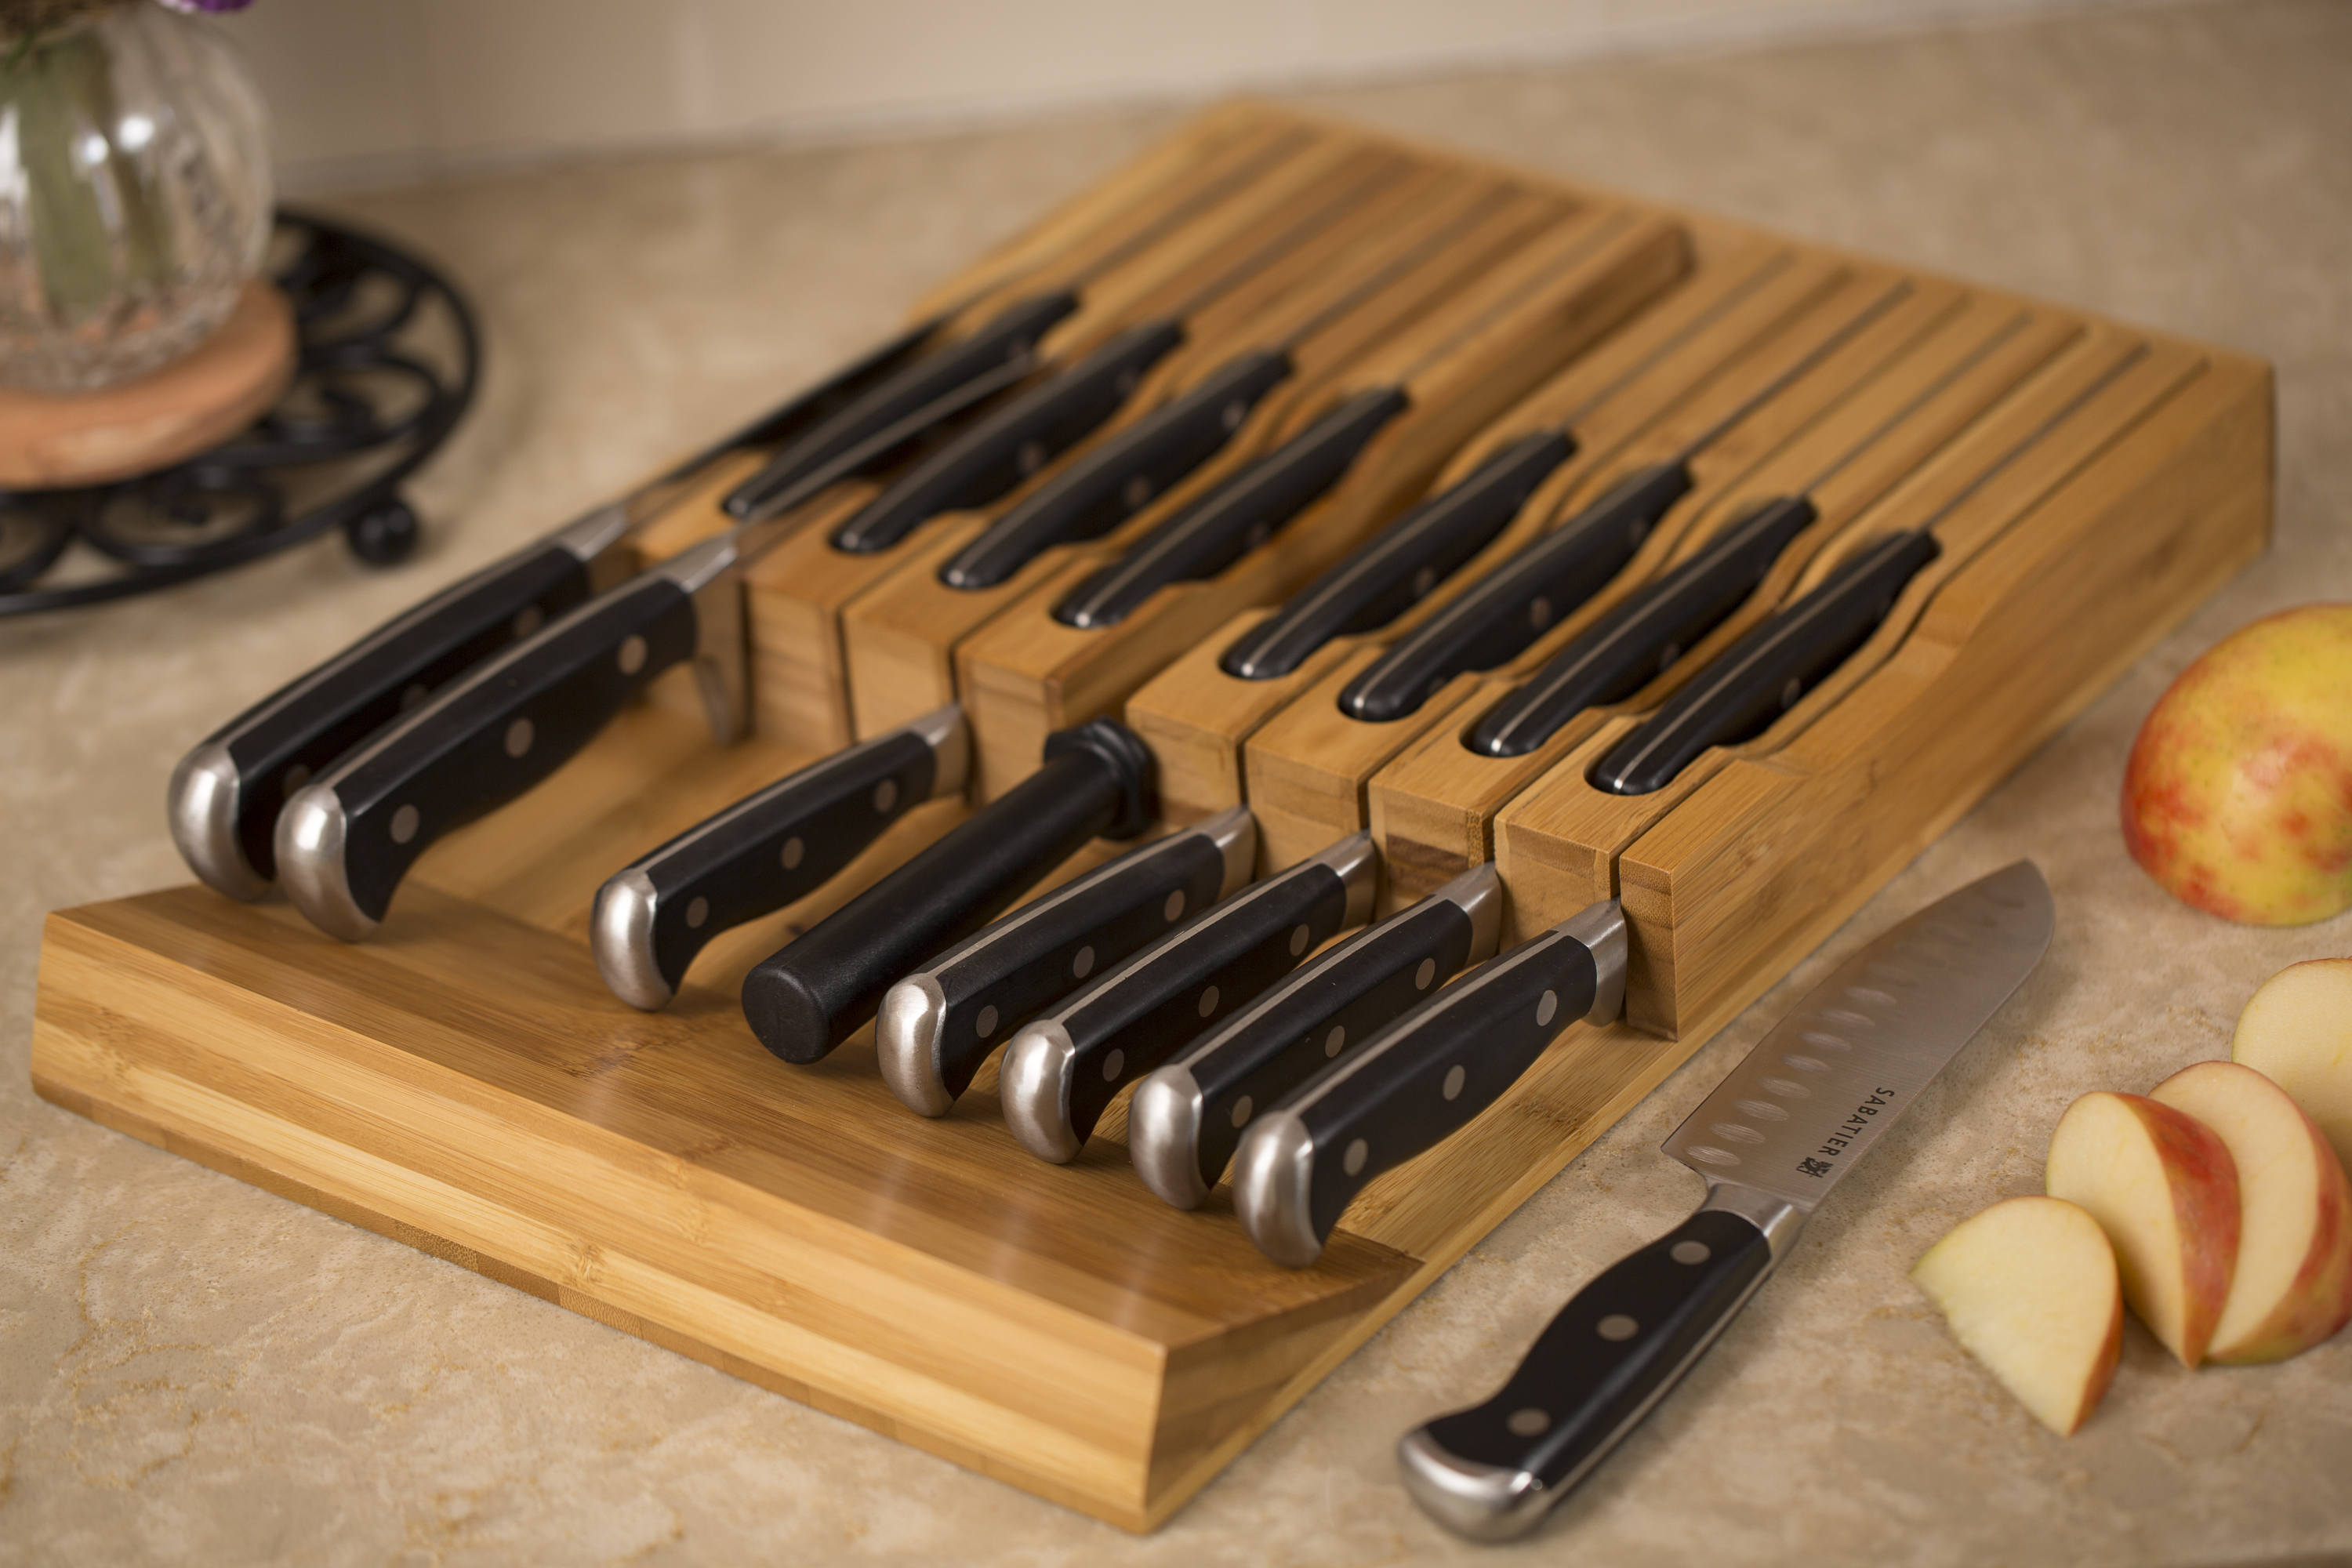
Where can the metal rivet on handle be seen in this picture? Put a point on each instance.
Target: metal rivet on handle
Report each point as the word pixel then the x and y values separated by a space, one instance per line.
pixel 1791 693
pixel 985 1025
pixel 1032 457
pixel 1617 1326
pixel 1083 963
pixel 1423 581
pixel 1335 1039
pixel 697 913
pixel 1529 1422
pixel 519 736
pixel 1539 613
pixel 631 656
pixel 410 695
pixel 1690 1252
pixel 403 825
pixel 886 795
pixel 1207 1001
pixel 1174 906
pixel 1234 413
pixel 793 850
pixel 1298 942
pixel 1242 1108
pixel 529 621
pixel 1455 1076
pixel 1137 492
pixel 1354 1160
pixel 1114 1065
pixel 1425 975
pixel 1546 1008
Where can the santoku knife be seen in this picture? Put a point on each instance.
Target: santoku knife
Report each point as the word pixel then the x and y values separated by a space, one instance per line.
pixel 773 847
pixel 1062 1070
pixel 1771 1140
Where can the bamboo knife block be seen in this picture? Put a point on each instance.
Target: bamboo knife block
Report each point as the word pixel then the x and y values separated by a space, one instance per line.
pixel 466 1084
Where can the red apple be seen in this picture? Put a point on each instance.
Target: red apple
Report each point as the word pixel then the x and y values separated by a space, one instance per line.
pixel 2297 1032
pixel 2293 1285
pixel 2163 1187
pixel 2238 796
pixel 2029 1288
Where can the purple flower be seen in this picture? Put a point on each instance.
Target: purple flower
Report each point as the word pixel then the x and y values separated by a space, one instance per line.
pixel 207 4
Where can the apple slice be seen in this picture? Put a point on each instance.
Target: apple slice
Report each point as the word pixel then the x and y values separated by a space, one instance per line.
pixel 2292 1286
pixel 2029 1288
pixel 2296 1031
pixel 2162 1185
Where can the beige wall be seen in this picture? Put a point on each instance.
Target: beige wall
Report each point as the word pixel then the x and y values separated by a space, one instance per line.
pixel 373 91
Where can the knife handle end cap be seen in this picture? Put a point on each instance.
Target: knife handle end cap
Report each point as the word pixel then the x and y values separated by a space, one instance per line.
pixel 907 1044
pixel 1164 1136
pixel 204 816
pixel 1035 1089
pixel 786 1014
pixel 310 864
pixel 1480 1501
pixel 1273 1179
pixel 621 934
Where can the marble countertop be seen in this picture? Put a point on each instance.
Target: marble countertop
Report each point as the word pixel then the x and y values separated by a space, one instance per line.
pixel 192 1370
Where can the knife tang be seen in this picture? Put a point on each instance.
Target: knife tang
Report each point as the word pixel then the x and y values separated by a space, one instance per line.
pixel 1062 1071
pixel 1119 478
pixel 1491 1472
pixel 1421 1078
pixel 1413 555
pixel 910 383
pixel 769 849
pixel 1012 441
pixel 1642 638
pixel 1098 780
pixel 1237 515
pixel 1187 1117
pixel 1764 674
pixel 1517 602
pixel 346 838
pixel 937 1025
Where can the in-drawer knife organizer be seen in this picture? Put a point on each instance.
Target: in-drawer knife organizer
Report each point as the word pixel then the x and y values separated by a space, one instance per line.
pixel 465 1082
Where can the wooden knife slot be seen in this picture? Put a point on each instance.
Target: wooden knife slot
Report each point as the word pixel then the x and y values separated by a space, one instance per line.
pixel 466 1083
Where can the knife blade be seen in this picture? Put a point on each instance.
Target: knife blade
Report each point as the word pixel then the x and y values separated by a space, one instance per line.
pixel 1098 780
pixel 1187 1117
pixel 1771 1141
pixel 773 847
pixel 1062 1070
pixel 937 1025
pixel 226 793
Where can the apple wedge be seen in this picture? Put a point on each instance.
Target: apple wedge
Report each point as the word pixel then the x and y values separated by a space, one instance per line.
pixel 2162 1185
pixel 2029 1288
pixel 2296 1031
pixel 2293 1285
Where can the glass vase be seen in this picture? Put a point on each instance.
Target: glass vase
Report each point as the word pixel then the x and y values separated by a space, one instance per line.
pixel 135 193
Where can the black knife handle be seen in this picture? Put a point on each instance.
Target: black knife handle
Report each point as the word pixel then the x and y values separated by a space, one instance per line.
pixel 1397 570
pixel 345 840
pixel 226 795
pixel 1187 1117
pixel 1098 780
pixel 1119 477
pixel 769 849
pixel 1237 515
pixel 1518 601
pixel 937 1026
pixel 1420 1080
pixel 915 382
pixel 1645 633
pixel 1012 442
pixel 1493 1471
pixel 1062 1071
pixel 1764 674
